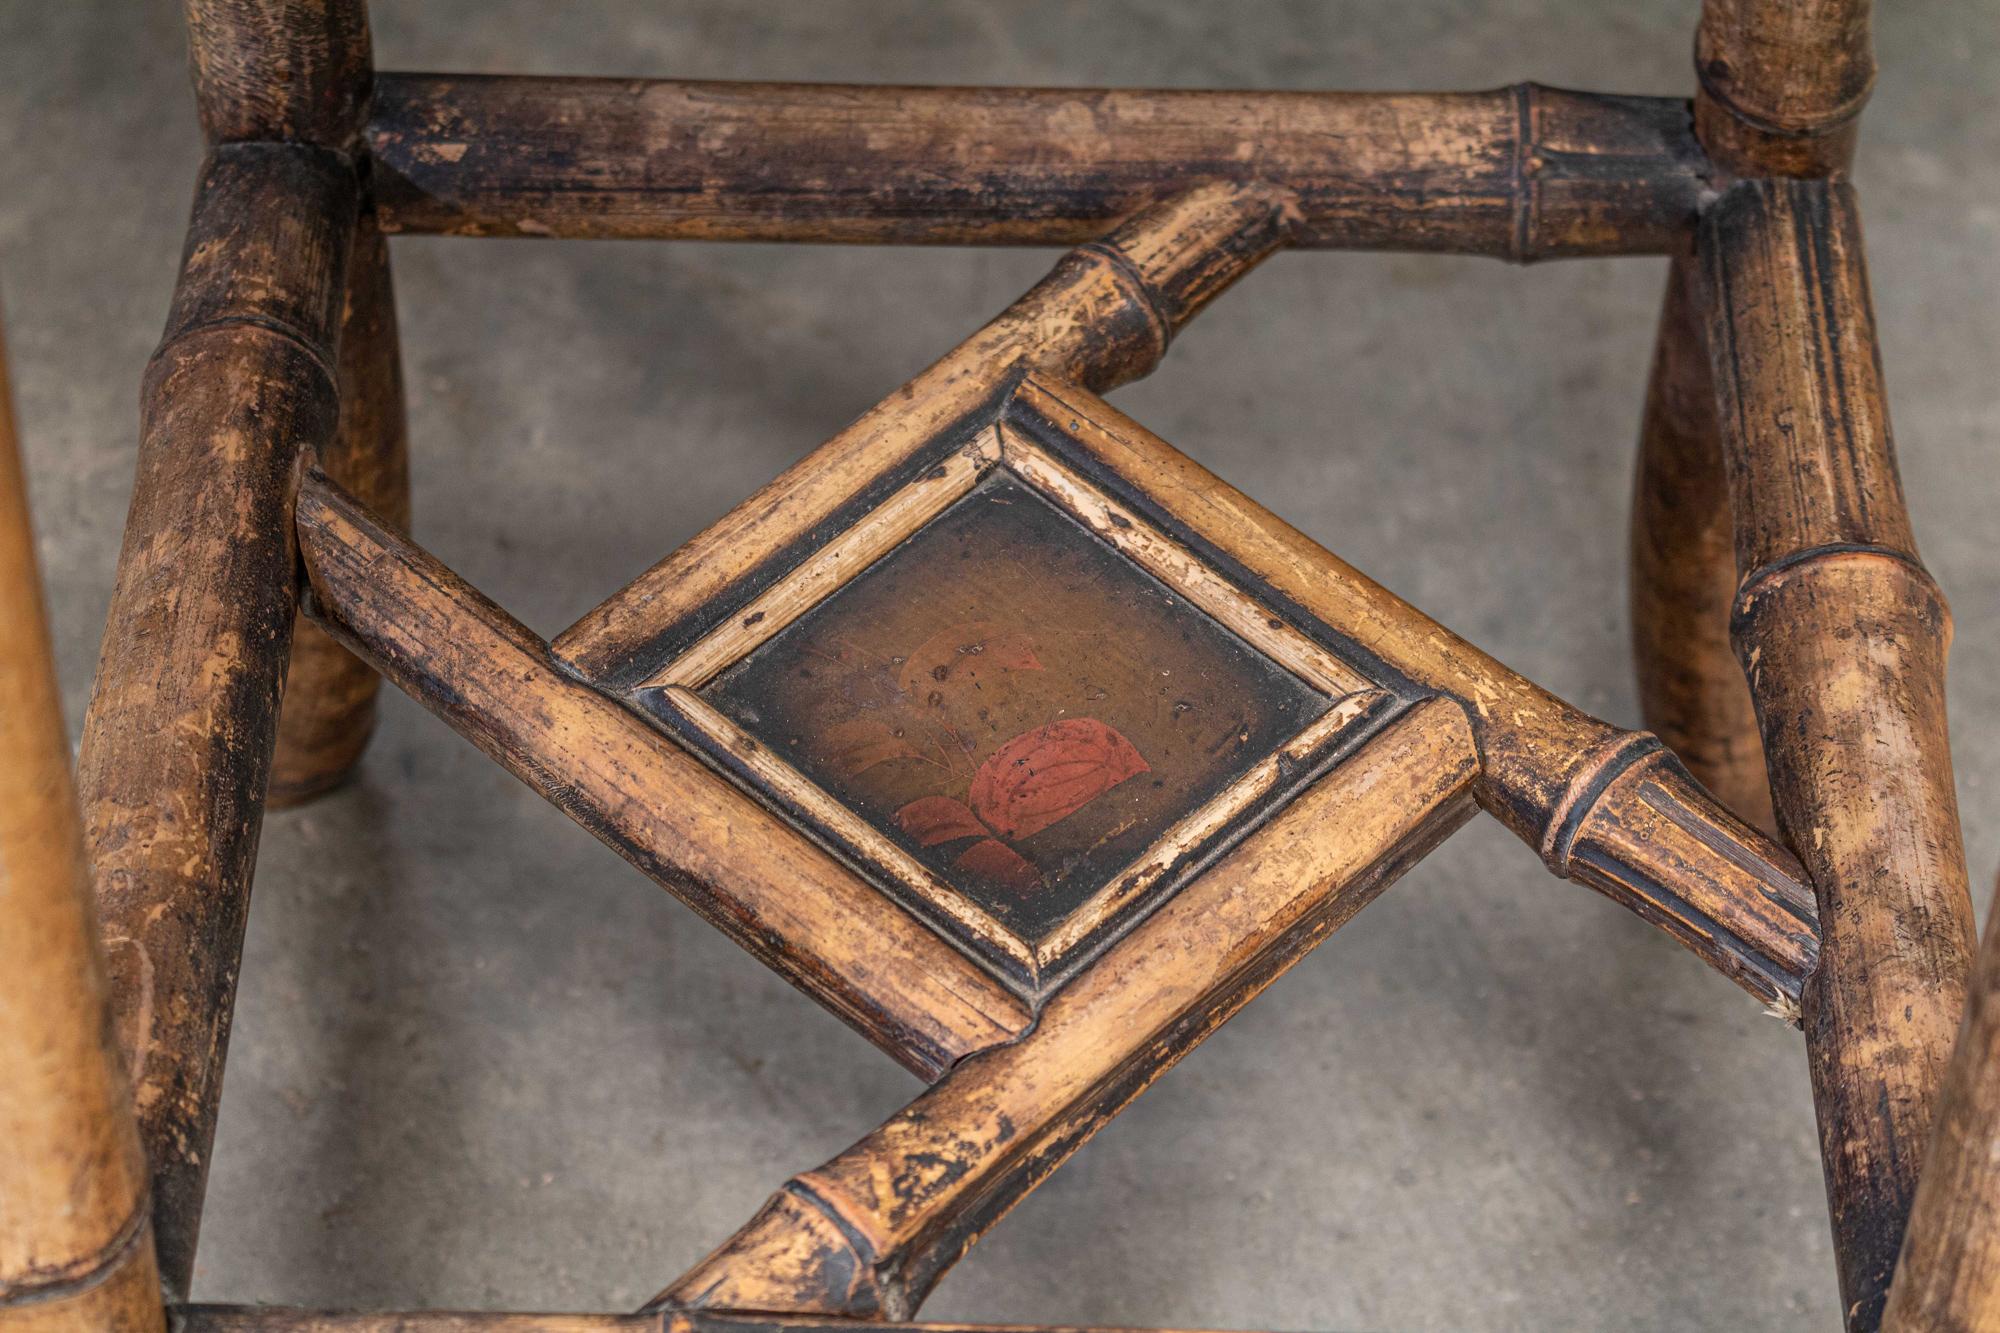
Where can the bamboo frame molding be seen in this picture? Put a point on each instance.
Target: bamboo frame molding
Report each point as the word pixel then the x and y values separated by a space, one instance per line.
pixel 1768 526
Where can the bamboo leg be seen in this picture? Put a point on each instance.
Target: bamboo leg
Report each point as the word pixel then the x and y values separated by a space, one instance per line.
pixel 1949 1276
pixel 329 709
pixel 1782 83
pixel 76 1246
pixel 177 744
pixel 1691 691
pixel 1843 635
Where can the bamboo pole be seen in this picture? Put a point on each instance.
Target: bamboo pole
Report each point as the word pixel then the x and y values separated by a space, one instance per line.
pixel 1520 173
pixel 1948 1279
pixel 177 744
pixel 1843 635
pixel 272 1319
pixel 329 709
pixel 1683 572
pixel 1782 83
pixel 76 1246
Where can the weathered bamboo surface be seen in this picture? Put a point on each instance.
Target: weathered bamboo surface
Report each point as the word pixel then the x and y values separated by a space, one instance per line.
pixel 329 709
pixel 293 71
pixel 269 1319
pixel 1948 1279
pixel 788 903
pixel 1843 635
pixel 1783 83
pixel 870 1232
pixel 1608 808
pixel 1521 173
pixel 178 740
pixel 1683 572
pixel 76 1244
pixel 1103 317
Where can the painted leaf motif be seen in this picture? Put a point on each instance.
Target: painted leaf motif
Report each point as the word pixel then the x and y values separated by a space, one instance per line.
pixel 935 819
pixel 958 655
pixel 1050 773
pixel 995 860
pixel 860 743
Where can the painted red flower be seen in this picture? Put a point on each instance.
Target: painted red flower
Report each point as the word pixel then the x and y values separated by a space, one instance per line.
pixel 1050 773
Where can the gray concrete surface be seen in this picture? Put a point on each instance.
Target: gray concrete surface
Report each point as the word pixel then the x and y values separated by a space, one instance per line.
pixel 479 1062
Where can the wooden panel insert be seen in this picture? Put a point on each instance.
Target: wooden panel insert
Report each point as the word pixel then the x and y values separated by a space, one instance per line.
pixel 1019 708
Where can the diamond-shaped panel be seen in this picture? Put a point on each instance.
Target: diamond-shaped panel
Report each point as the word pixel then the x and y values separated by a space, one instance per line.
pixel 1011 703
pixel 1015 703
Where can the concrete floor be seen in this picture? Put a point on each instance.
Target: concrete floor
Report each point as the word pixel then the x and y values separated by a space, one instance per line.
pixel 479 1062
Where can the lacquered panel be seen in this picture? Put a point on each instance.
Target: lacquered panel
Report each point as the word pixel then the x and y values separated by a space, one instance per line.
pixel 1015 703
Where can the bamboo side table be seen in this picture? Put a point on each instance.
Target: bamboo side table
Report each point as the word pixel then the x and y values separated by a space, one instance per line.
pixel 998 726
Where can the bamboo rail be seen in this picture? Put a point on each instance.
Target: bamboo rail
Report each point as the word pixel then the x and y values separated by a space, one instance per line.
pixel 269 1319
pixel 1520 173
pixel 1606 807
pixel 1782 84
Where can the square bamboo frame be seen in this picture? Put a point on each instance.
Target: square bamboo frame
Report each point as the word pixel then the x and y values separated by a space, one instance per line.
pixel 1769 525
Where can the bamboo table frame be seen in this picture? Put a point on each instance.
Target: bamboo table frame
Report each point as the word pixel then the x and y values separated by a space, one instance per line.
pixel 1769 531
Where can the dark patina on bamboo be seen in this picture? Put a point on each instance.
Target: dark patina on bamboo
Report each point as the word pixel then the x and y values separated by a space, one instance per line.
pixel 274 430
pixel 329 710
pixel 1683 570
pixel 1783 83
pixel 1521 173
pixel 1843 636
pixel 178 743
